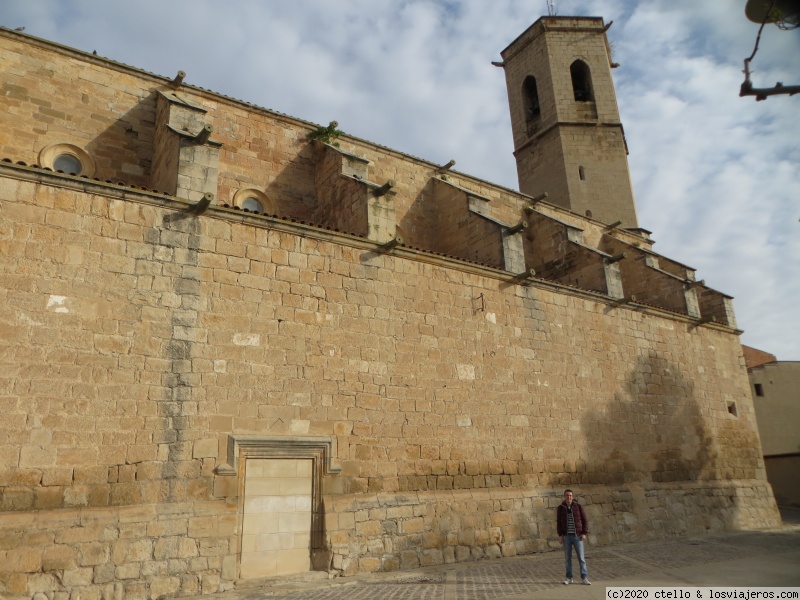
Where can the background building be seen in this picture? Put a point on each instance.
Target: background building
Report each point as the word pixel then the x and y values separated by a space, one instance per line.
pixel 776 397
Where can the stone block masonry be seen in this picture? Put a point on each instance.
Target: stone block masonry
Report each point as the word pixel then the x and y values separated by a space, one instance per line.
pixel 455 427
pixel 162 358
pixel 574 147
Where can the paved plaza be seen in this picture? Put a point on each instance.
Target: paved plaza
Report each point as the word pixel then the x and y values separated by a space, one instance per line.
pixel 756 558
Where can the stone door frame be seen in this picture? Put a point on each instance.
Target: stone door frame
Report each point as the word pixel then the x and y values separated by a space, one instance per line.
pixel 321 451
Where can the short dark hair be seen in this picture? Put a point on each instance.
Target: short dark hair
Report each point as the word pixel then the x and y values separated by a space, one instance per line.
pixel 568 490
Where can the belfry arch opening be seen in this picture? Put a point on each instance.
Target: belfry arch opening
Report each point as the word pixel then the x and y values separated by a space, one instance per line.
pixel 530 98
pixel 581 81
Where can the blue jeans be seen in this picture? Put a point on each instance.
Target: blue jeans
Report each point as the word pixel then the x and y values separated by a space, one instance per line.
pixel 575 541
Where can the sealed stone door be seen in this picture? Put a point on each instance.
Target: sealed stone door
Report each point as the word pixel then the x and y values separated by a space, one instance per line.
pixel 276 527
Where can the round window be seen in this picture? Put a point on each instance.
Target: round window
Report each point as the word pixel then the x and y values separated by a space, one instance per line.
pixel 67 158
pixel 252 205
pixel 253 200
pixel 68 163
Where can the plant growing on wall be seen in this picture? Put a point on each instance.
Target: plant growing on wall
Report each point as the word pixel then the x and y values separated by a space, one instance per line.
pixel 327 134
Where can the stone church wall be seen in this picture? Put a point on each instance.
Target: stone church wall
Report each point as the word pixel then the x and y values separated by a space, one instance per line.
pixel 152 344
pixel 136 342
pixel 109 112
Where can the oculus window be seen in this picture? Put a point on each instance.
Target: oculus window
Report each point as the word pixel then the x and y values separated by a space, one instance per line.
pixel 67 158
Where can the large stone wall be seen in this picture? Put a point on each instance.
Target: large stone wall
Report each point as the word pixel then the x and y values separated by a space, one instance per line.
pixel 393 335
pixel 109 112
pixel 138 338
pixel 260 149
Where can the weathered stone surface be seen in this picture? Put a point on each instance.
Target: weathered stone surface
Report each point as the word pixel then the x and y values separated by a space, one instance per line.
pixel 431 383
pixel 57 558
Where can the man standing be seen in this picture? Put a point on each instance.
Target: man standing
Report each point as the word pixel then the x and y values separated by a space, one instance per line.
pixel 572 527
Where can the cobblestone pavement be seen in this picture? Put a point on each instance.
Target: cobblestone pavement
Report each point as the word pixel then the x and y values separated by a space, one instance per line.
pixel 525 576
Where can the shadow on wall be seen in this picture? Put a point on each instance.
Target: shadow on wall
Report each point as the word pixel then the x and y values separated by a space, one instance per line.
pixel 292 188
pixel 653 433
pixel 124 150
pixel 420 219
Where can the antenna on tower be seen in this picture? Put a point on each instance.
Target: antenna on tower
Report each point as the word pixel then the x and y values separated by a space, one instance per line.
pixel 551 8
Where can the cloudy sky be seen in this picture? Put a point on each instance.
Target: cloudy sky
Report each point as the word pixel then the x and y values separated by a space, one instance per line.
pixel 716 176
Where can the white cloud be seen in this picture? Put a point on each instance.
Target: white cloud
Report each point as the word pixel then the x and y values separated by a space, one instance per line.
pixel 715 176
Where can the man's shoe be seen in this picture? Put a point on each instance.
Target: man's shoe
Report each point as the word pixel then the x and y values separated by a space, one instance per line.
pixel 586 581
pixel 567 581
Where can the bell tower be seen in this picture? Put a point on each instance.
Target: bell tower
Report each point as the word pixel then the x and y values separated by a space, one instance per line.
pixel 568 138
